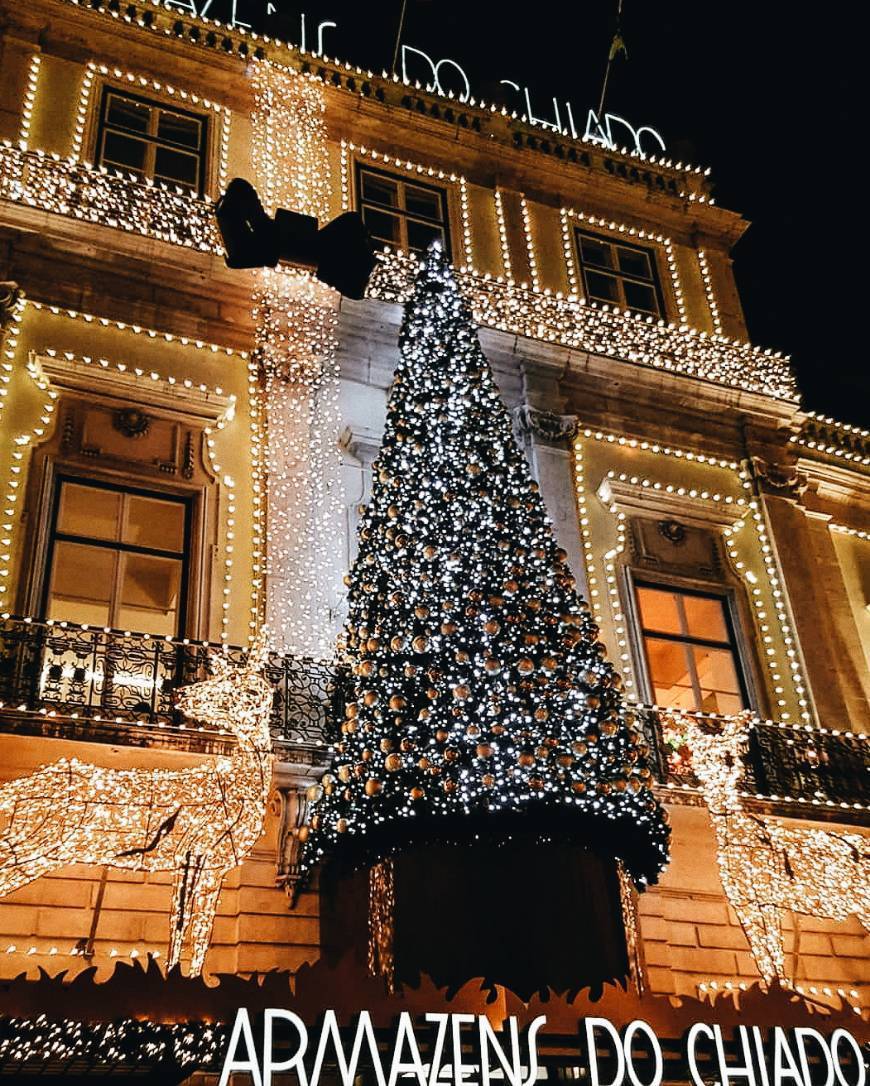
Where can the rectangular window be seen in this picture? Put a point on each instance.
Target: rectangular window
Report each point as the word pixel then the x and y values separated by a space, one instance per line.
pixel 152 140
pixel 117 558
pixel 401 213
pixel 691 656
pixel 618 273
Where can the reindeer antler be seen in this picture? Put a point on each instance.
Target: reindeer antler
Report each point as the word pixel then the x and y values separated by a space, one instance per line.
pixel 258 654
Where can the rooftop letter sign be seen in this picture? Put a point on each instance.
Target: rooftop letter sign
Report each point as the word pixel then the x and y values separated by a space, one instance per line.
pixel 449 79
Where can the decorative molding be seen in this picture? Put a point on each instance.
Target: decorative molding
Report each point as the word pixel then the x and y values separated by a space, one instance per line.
pixel 635 499
pixel 193 404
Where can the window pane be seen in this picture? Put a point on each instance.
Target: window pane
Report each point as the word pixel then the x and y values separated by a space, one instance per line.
pixel 422 202
pixel 123 152
pixel 382 226
pixel 151 522
pixel 127 113
pixel 89 511
pixel 717 675
pixel 602 288
pixel 706 618
pixel 380 190
pixel 149 594
pixel 176 167
pixel 670 675
pixel 81 583
pixel 420 235
pixel 596 253
pixel 633 262
pixel 177 129
pixel 638 296
pixel 658 610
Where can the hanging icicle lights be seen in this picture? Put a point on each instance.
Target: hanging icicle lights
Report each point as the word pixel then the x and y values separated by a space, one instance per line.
pixel 296 319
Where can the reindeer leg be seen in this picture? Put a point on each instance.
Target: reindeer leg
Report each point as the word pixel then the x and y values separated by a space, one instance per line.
pixel 204 908
pixel 180 917
pixel 762 925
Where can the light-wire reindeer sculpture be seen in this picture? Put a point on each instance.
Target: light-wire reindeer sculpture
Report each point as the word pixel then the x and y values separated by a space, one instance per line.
pixel 768 868
pixel 198 823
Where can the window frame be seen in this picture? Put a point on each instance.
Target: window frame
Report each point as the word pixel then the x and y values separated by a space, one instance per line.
pixel 152 142
pixel 54 536
pixel 737 642
pixel 650 251
pixel 403 215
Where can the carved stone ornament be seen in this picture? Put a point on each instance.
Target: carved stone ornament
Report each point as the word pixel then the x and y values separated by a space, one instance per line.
pixel 672 531
pixel 10 294
pixel 131 422
pixel 781 479
pixel 545 424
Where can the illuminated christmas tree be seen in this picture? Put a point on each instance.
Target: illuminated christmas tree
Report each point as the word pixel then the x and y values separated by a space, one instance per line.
pixel 483 706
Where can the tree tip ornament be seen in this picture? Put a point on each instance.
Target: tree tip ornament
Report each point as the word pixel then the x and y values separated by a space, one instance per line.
pixel 483 707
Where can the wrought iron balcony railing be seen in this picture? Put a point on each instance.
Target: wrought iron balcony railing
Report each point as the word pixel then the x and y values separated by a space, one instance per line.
pixel 107 677
pixel 67 671
pixel 809 767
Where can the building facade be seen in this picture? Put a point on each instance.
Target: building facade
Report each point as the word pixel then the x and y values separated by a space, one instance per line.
pixel 166 489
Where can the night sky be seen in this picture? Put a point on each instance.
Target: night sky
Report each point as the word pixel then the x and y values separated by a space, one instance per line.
pixel 764 93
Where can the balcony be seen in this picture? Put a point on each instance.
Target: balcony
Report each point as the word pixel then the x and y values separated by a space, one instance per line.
pixel 810 772
pixel 95 195
pixel 66 680
pixel 88 683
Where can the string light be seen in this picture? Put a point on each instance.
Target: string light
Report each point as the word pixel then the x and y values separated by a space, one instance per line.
pixel 601 330
pixel 29 100
pixel 709 293
pixel 199 823
pixel 567 214
pixel 106 197
pixel 129 1042
pixel 296 321
pixel 351 149
pixel 766 867
pixel 530 247
pixel 502 236
pixel 747 510
pixel 841 440
pixel 168 386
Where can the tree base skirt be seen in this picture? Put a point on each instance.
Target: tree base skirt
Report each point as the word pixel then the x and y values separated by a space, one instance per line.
pixel 526 915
